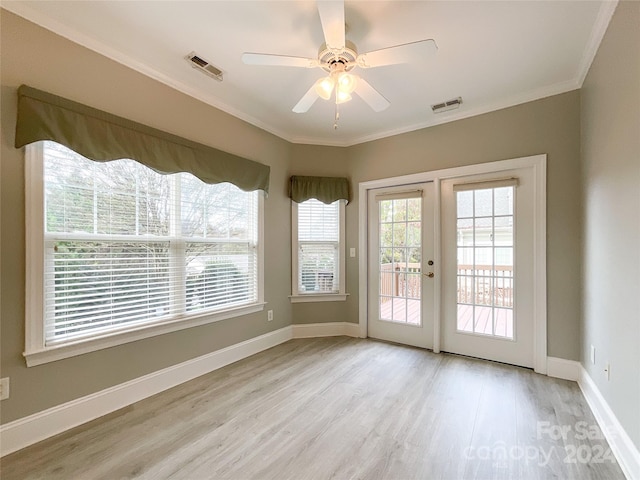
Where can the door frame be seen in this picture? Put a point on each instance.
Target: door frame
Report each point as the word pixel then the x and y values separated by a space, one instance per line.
pixel 538 164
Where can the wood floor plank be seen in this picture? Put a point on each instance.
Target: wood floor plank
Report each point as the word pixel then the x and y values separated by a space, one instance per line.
pixel 338 408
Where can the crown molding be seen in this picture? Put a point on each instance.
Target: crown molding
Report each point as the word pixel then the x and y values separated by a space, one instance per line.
pixel 605 14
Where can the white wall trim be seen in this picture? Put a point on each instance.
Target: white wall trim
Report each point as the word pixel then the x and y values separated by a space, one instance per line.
pixel 331 329
pixel 565 369
pixel 600 26
pixel 39 426
pixel 621 445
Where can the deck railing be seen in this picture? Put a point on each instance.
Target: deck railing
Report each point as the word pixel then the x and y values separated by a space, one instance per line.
pixel 486 285
pixel 482 285
pixel 400 279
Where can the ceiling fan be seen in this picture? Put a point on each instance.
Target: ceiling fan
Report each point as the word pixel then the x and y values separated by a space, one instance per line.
pixel 338 57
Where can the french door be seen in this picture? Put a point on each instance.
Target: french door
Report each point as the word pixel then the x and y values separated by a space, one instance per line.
pixel 488 262
pixel 401 278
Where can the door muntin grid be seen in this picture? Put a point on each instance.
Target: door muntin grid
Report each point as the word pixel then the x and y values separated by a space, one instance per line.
pixel 485 262
pixel 400 260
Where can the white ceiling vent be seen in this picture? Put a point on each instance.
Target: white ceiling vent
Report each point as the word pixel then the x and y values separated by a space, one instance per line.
pixel 446 106
pixel 201 64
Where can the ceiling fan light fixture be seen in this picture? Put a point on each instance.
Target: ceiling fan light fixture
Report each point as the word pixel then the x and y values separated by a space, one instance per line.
pixel 347 82
pixel 324 87
pixel 343 97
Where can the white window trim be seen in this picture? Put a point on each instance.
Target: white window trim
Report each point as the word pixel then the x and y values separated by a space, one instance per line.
pixel 36 351
pixel 296 296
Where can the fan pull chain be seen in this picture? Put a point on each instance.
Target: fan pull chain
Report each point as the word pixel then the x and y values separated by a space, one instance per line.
pixel 335 123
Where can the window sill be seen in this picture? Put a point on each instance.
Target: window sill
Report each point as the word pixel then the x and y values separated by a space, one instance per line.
pixel 319 297
pixel 82 346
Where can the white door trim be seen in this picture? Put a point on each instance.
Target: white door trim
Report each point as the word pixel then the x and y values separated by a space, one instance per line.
pixel 538 163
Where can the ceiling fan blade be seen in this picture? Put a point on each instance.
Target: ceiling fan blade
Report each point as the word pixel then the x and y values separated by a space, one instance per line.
pixel 370 95
pixel 278 60
pixel 332 19
pixel 405 53
pixel 306 101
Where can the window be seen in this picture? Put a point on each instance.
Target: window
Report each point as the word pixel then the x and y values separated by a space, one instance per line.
pixel 318 251
pixel 116 247
pixel 485 239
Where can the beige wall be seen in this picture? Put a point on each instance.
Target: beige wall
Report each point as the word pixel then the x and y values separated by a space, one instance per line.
pixel 36 57
pixel 551 126
pixel 611 175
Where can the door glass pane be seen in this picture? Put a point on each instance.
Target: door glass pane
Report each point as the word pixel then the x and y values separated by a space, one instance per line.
pixel 485 226
pixel 399 210
pixel 503 201
pixel 399 234
pixel 414 209
pixel 465 204
pixel 413 234
pixel 483 203
pixel 503 231
pixel 400 266
pixel 465 232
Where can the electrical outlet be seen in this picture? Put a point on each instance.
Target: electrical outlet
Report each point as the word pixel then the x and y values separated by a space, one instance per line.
pixel 269 315
pixel 593 354
pixel 352 252
pixel 4 388
pixel 607 371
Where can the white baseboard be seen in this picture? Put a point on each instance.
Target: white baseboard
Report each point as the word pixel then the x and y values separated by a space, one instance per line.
pixel 39 426
pixel 565 369
pixel 621 445
pixel 331 329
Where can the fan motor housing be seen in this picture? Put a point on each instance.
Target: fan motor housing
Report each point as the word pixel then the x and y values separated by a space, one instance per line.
pixel 347 56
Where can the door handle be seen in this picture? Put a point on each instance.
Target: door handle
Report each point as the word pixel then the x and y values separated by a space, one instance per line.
pixel 430 274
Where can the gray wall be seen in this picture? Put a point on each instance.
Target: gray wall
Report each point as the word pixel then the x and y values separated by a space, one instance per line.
pixel 611 174
pixel 36 57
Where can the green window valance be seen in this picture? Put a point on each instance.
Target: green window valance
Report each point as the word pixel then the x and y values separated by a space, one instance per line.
pixel 102 137
pixel 325 189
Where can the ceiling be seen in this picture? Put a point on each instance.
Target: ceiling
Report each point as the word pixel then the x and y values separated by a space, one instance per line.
pixel 493 54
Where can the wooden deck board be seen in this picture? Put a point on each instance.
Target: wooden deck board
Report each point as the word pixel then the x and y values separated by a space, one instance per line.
pixel 395 309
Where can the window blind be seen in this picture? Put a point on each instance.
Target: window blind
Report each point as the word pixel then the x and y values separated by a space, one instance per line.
pixel 318 247
pixel 483 185
pixel 125 245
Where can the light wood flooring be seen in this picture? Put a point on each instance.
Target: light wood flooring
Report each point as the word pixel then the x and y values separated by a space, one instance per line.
pixel 338 408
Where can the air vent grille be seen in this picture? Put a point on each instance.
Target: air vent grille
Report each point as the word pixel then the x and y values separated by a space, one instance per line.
pixel 446 105
pixel 201 64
